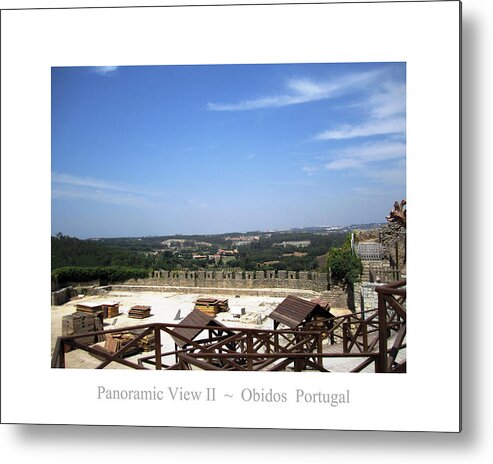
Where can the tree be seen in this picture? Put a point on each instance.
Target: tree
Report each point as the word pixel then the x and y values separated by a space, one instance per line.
pixel 345 267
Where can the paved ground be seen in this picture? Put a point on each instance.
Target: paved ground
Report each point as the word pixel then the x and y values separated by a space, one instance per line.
pixel 164 308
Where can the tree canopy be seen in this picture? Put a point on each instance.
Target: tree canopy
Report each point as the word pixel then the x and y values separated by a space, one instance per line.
pixel 345 267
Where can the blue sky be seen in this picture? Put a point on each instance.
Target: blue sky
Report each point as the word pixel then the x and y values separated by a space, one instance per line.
pixel 158 150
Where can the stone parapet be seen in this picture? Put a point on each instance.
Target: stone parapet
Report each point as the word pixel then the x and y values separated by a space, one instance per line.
pixel 314 281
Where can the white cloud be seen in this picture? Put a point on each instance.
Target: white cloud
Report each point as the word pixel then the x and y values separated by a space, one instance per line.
pixel 200 148
pixel 371 152
pixel 344 163
pixel 361 157
pixel 301 90
pixel 67 186
pixel 265 102
pixel 385 115
pixel 375 127
pixel 90 182
pixel 104 70
pixel 100 196
pixel 389 102
pixel 310 170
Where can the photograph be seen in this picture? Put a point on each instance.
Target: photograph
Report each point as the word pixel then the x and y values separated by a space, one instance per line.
pixel 229 217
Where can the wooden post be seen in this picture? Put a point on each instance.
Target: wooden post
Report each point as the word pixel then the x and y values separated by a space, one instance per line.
pixel 382 333
pixel 157 343
pixel 364 327
pixel 62 357
pixel 299 363
pixel 320 360
pixel 58 359
pixel 249 350
pixel 345 337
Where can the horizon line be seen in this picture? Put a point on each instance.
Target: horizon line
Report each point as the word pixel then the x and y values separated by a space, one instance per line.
pixel 266 231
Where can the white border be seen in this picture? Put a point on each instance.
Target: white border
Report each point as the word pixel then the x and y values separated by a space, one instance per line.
pixel 424 35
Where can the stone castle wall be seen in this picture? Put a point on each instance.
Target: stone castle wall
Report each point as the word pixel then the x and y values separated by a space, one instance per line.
pixel 394 238
pixel 301 280
pixel 368 296
pixel 60 297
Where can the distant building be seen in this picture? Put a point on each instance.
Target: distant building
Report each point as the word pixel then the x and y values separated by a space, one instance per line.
pixel 243 240
pixel 227 252
pixel 298 254
pixel 240 243
pixel 224 256
pixel 295 243
pixel 173 242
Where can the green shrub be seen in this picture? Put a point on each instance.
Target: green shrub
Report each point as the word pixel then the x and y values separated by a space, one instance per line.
pixel 107 274
pixel 345 267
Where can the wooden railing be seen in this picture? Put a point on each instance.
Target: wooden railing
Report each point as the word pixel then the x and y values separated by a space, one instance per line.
pixel 384 275
pixel 356 335
pixel 227 349
pixel 391 314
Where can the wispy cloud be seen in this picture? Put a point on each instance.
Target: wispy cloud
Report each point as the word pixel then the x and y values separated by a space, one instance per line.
pixel 104 70
pixel 90 182
pixel 385 115
pixel 301 90
pixel 100 196
pixel 208 147
pixel 389 101
pixel 70 187
pixel 361 156
pixel 374 127
pixel 344 163
pixel 310 170
pixel 365 154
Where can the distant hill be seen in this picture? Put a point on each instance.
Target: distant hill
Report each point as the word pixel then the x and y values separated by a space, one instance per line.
pixel 300 249
pixel 70 251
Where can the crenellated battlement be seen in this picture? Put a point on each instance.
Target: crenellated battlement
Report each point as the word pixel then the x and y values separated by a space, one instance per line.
pixel 299 280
